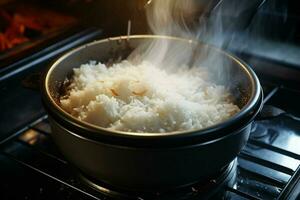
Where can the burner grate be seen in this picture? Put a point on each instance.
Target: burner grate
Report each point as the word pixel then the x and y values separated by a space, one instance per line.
pixel 34 149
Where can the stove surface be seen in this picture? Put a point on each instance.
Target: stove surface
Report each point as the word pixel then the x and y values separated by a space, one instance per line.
pixel 31 167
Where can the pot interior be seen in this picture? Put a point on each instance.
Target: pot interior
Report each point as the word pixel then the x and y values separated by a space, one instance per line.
pixel 239 78
pixel 232 74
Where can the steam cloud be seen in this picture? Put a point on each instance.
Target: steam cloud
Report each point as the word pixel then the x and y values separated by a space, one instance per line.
pixel 226 24
pixel 179 18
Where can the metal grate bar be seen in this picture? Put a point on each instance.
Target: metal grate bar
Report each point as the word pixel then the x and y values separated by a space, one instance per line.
pixel 270 94
pixel 287 191
pixel 266 163
pixel 263 178
pixel 242 194
pixel 32 126
pixel 49 176
pixel 14 135
pixel 41 151
pixel 22 130
pixel 42 118
pixel 40 131
pixel 274 148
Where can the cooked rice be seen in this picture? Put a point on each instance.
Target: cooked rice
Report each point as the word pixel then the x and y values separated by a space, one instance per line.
pixel 144 98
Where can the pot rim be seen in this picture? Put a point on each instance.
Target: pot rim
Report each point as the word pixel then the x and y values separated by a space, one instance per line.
pixel 85 129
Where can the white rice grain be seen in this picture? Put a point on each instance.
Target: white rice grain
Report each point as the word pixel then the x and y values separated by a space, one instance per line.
pixel 144 98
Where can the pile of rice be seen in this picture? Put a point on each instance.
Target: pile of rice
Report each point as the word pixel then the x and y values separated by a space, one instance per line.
pixel 144 98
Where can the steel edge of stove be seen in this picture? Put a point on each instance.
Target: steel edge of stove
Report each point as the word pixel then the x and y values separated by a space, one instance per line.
pixel 12 78
pixel 72 40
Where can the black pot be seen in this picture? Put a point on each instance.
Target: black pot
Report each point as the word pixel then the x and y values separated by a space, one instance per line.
pixel 141 161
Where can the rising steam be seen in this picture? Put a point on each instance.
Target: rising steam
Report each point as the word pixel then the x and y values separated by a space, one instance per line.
pixel 226 25
pixel 178 18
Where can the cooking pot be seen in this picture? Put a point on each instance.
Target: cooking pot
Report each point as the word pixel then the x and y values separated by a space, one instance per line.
pixel 149 161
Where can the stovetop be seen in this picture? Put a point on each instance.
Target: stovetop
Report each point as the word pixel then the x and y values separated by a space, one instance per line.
pixel 31 167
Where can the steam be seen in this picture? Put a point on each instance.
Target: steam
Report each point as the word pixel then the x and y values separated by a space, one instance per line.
pixel 167 17
pixel 178 18
pixel 225 25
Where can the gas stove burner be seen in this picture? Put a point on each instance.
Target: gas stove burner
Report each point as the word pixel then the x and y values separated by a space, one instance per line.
pixel 214 188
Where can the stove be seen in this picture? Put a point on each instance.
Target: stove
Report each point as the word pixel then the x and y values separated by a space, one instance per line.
pixel 31 166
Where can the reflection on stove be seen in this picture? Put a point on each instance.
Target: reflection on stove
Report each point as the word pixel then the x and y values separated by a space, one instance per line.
pixel 281 132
